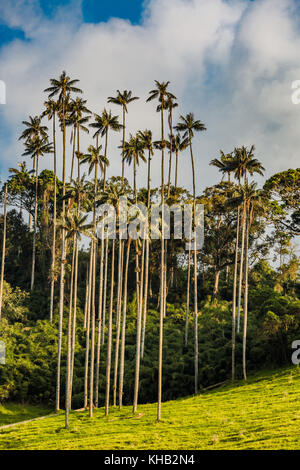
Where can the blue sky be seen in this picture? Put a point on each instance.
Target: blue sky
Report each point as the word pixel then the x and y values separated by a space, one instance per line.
pixel 93 11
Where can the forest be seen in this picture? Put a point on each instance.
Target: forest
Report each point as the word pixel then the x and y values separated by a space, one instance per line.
pixel 91 321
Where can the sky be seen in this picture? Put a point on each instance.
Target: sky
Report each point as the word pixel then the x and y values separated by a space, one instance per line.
pixel 231 62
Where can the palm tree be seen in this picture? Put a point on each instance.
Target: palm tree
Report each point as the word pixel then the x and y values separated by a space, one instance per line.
pixel 146 140
pixel 3 249
pixel 244 162
pixel 36 147
pixel 226 165
pixel 33 129
pixel 95 160
pixel 170 104
pixel 123 334
pixel 23 177
pixel 123 99
pixel 63 87
pixel 103 123
pixel 79 116
pixel 188 126
pixel 178 145
pixel 51 109
pixel 134 153
pixel 161 93
pixel 75 226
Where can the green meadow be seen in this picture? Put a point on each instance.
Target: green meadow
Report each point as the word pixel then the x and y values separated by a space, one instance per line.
pixel 264 413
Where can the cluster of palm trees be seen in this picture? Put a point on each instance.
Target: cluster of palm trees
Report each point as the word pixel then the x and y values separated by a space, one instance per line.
pixel 76 199
pixel 241 162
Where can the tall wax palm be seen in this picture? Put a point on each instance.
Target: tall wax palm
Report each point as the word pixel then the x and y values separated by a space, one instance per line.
pixel 36 147
pixel 3 249
pixel 63 87
pixel 110 196
pixel 134 153
pixel 79 116
pixel 170 104
pixel 75 226
pixel 249 198
pixel 160 93
pixel 123 99
pixel 243 162
pixel 51 109
pixel 146 140
pixel 103 123
pixel 95 160
pixel 33 128
pixel 225 165
pixel 188 125
pixel 178 145
pixel 23 177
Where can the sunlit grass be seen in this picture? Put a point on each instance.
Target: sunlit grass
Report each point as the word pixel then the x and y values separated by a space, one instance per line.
pixel 262 414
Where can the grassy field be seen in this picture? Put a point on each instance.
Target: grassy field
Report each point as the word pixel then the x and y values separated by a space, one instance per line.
pixel 13 413
pixel 262 414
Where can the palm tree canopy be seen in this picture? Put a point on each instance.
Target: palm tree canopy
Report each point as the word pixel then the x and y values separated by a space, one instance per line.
pixel 104 122
pixel 37 146
pixel 34 129
pixel 146 140
pixel 95 157
pixel 122 99
pixel 134 150
pixel 62 87
pixel 189 125
pixel 244 161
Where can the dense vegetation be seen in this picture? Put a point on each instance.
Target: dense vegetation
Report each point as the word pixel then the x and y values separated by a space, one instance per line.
pixel 81 332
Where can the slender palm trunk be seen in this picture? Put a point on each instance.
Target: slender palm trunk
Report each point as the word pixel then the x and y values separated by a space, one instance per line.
pixel 241 267
pixel 234 295
pixel 92 319
pixel 109 339
pixel 146 264
pixel 99 331
pixel 78 152
pixel 161 313
pixel 123 147
pixel 171 150
pixel 87 337
pixel 3 249
pixel 195 274
pixel 123 334
pixel 69 342
pixel 35 222
pixel 216 285
pixel 118 323
pixel 105 290
pixel 93 299
pixel 62 269
pixel 74 320
pixel 33 174
pixel 145 299
pixel 73 152
pixel 86 296
pixel 176 168
pixel 138 335
pixel 54 228
pixel 246 298
pixel 187 312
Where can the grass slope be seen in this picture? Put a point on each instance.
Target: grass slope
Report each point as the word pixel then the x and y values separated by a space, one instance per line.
pixel 262 414
pixel 13 413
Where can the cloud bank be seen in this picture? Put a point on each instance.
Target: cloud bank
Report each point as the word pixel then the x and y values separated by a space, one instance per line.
pixel 230 62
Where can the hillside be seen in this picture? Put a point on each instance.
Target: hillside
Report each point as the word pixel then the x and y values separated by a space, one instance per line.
pixel 262 414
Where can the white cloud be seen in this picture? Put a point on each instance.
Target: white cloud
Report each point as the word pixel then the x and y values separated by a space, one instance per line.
pixel 230 62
